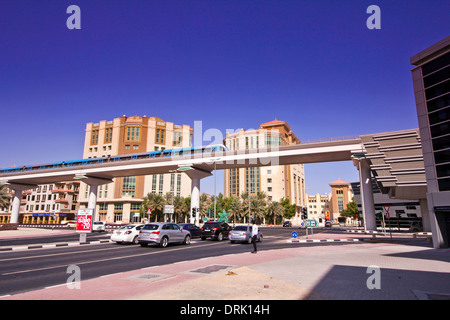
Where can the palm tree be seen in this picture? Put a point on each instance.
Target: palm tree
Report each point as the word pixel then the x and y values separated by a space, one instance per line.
pixel 179 207
pixel 155 202
pixel 5 196
pixel 275 209
pixel 205 202
pixel 235 208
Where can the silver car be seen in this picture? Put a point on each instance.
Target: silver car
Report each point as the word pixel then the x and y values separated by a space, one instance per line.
pixel 163 233
pixel 243 234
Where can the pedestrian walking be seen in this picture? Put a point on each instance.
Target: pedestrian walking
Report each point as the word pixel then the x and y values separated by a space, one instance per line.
pixel 254 236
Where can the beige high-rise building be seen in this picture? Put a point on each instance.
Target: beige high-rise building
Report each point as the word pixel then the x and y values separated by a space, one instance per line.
pixel 119 201
pixel 277 181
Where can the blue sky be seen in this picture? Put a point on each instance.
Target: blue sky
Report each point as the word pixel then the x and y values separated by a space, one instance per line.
pixel 230 63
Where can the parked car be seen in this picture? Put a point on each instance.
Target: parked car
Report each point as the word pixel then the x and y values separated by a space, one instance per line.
pixel 162 234
pixel 70 223
pixel 195 231
pixel 127 233
pixel 243 234
pixel 99 226
pixel 287 224
pixel 328 223
pixel 217 230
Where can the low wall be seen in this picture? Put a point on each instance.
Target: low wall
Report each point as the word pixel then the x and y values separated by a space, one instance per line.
pixel 8 226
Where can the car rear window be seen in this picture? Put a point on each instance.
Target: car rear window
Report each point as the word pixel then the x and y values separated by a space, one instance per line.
pixel 211 224
pixel 240 228
pixel 150 227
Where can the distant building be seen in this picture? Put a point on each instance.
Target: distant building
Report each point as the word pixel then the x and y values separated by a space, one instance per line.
pixel 277 181
pixel 47 204
pixel 318 207
pixel 120 201
pixel 341 195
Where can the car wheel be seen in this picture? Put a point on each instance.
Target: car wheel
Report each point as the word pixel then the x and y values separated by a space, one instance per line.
pixel 203 238
pixel 143 244
pixel 164 242
pixel 220 237
pixel 249 240
pixel 187 240
pixel 135 240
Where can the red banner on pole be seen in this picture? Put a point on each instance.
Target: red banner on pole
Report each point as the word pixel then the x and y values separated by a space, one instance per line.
pixel 84 220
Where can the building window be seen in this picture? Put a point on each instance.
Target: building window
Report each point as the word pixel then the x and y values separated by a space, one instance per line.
pixel 133 133
pixel 154 183
pixel 161 184
pixel 129 186
pixel 340 203
pixel 94 137
pixel 177 138
pixel 160 136
pixel 178 184
pixel 108 135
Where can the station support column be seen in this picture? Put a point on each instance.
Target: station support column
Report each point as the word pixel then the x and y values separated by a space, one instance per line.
pixel 367 203
pixel 18 189
pixel 196 175
pixel 93 183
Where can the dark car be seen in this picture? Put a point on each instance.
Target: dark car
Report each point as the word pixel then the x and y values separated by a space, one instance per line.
pixel 287 224
pixel 217 230
pixel 328 223
pixel 195 231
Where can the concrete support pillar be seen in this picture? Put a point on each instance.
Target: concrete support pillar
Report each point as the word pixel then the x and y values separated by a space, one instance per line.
pixel 93 183
pixel 425 215
pixel 18 189
pixel 196 175
pixel 92 201
pixel 368 207
pixel 15 210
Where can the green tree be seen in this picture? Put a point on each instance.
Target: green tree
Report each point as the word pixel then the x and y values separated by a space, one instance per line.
pixel 289 209
pixel 274 210
pixel 351 210
pixel 156 204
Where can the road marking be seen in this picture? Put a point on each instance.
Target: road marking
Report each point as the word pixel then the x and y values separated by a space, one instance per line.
pixel 101 260
pixel 55 254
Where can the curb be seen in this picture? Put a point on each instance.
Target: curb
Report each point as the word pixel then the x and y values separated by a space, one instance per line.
pixel 52 245
pixel 323 240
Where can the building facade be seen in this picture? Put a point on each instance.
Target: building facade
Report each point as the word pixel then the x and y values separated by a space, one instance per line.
pixel 431 80
pixel 119 201
pixel 47 204
pixel 318 207
pixel 341 195
pixel 277 181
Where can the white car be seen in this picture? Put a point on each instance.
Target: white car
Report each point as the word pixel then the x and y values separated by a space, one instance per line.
pixel 99 226
pixel 127 233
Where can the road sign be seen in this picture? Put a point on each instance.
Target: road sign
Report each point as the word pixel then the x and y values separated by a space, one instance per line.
pixel 386 210
pixel 311 223
pixel 168 209
pixel 294 234
pixel 149 212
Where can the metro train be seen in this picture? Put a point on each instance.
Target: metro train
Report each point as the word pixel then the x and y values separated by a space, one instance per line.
pixel 145 155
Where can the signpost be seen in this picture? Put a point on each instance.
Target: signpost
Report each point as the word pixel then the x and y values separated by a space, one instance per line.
pixel 84 222
pixel 168 209
pixel 294 234
pixel 386 209
pixel 310 224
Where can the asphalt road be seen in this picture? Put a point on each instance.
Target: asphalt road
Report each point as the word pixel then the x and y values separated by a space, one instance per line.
pixel 22 271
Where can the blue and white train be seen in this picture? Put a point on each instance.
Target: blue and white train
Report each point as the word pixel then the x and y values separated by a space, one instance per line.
pixel 145 155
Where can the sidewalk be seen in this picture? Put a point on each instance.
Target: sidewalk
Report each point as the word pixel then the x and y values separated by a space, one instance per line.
pixel 410 270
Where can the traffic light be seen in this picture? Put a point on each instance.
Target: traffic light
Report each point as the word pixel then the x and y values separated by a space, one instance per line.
pixel 194 211
pixel 304 212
